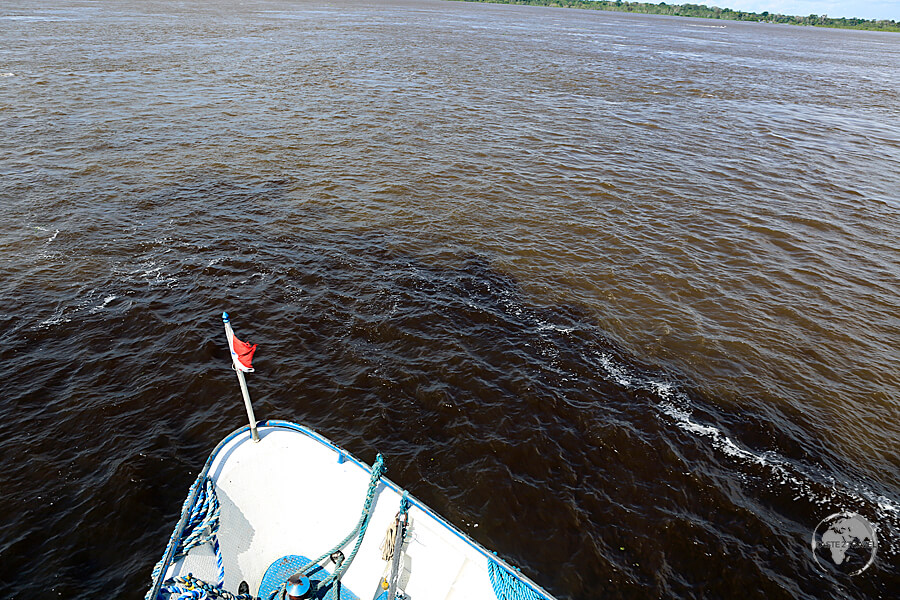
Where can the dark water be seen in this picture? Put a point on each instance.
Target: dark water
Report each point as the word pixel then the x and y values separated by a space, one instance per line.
pixel 616 294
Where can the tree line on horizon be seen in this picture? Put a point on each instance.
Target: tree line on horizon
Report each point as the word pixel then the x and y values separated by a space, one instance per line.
pixel 711 12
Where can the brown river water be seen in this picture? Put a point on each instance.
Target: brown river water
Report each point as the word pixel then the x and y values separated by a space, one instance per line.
pixel 615 294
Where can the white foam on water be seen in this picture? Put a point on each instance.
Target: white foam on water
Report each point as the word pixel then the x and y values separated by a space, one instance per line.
pixel 674 406
pixel 617 373
pixel 101 306
pixel 151 273
pixel 264 275
pixel 544 326
pixel 59 317
pixel 88 305
pixel 508 301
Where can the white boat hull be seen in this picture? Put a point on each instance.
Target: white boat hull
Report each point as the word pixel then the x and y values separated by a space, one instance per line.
pixel 295 493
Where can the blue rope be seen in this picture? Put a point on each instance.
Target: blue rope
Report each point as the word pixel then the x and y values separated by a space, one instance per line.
pixel 191 588
pixel 201 527
pixel 220 582
pixel 184 509
pixel 359 531
pixel 176 536
pixel 177 592
pixel 402 520
pixel 203 522
pixel 509 587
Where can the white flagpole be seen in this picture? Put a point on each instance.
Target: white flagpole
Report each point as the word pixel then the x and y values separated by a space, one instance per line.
pixel 229 334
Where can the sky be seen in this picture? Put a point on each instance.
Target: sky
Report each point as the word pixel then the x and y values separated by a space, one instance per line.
pixel 874 9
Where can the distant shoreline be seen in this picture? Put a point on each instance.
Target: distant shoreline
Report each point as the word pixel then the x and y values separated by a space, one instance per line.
pixel 706 12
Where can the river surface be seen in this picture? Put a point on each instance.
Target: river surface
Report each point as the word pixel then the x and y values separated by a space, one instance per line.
pixel 615 294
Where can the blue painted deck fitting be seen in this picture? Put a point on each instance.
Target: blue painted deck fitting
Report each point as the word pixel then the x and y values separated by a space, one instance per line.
pixel 284 567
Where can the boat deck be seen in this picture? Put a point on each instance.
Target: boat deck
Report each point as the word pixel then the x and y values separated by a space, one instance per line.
pixel 294 493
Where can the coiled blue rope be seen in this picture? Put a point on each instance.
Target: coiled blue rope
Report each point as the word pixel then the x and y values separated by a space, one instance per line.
pixel 191 588
pixel 189 502
pixel 201 528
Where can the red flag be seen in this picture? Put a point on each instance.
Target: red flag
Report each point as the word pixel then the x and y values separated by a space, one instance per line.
pixel 244 353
